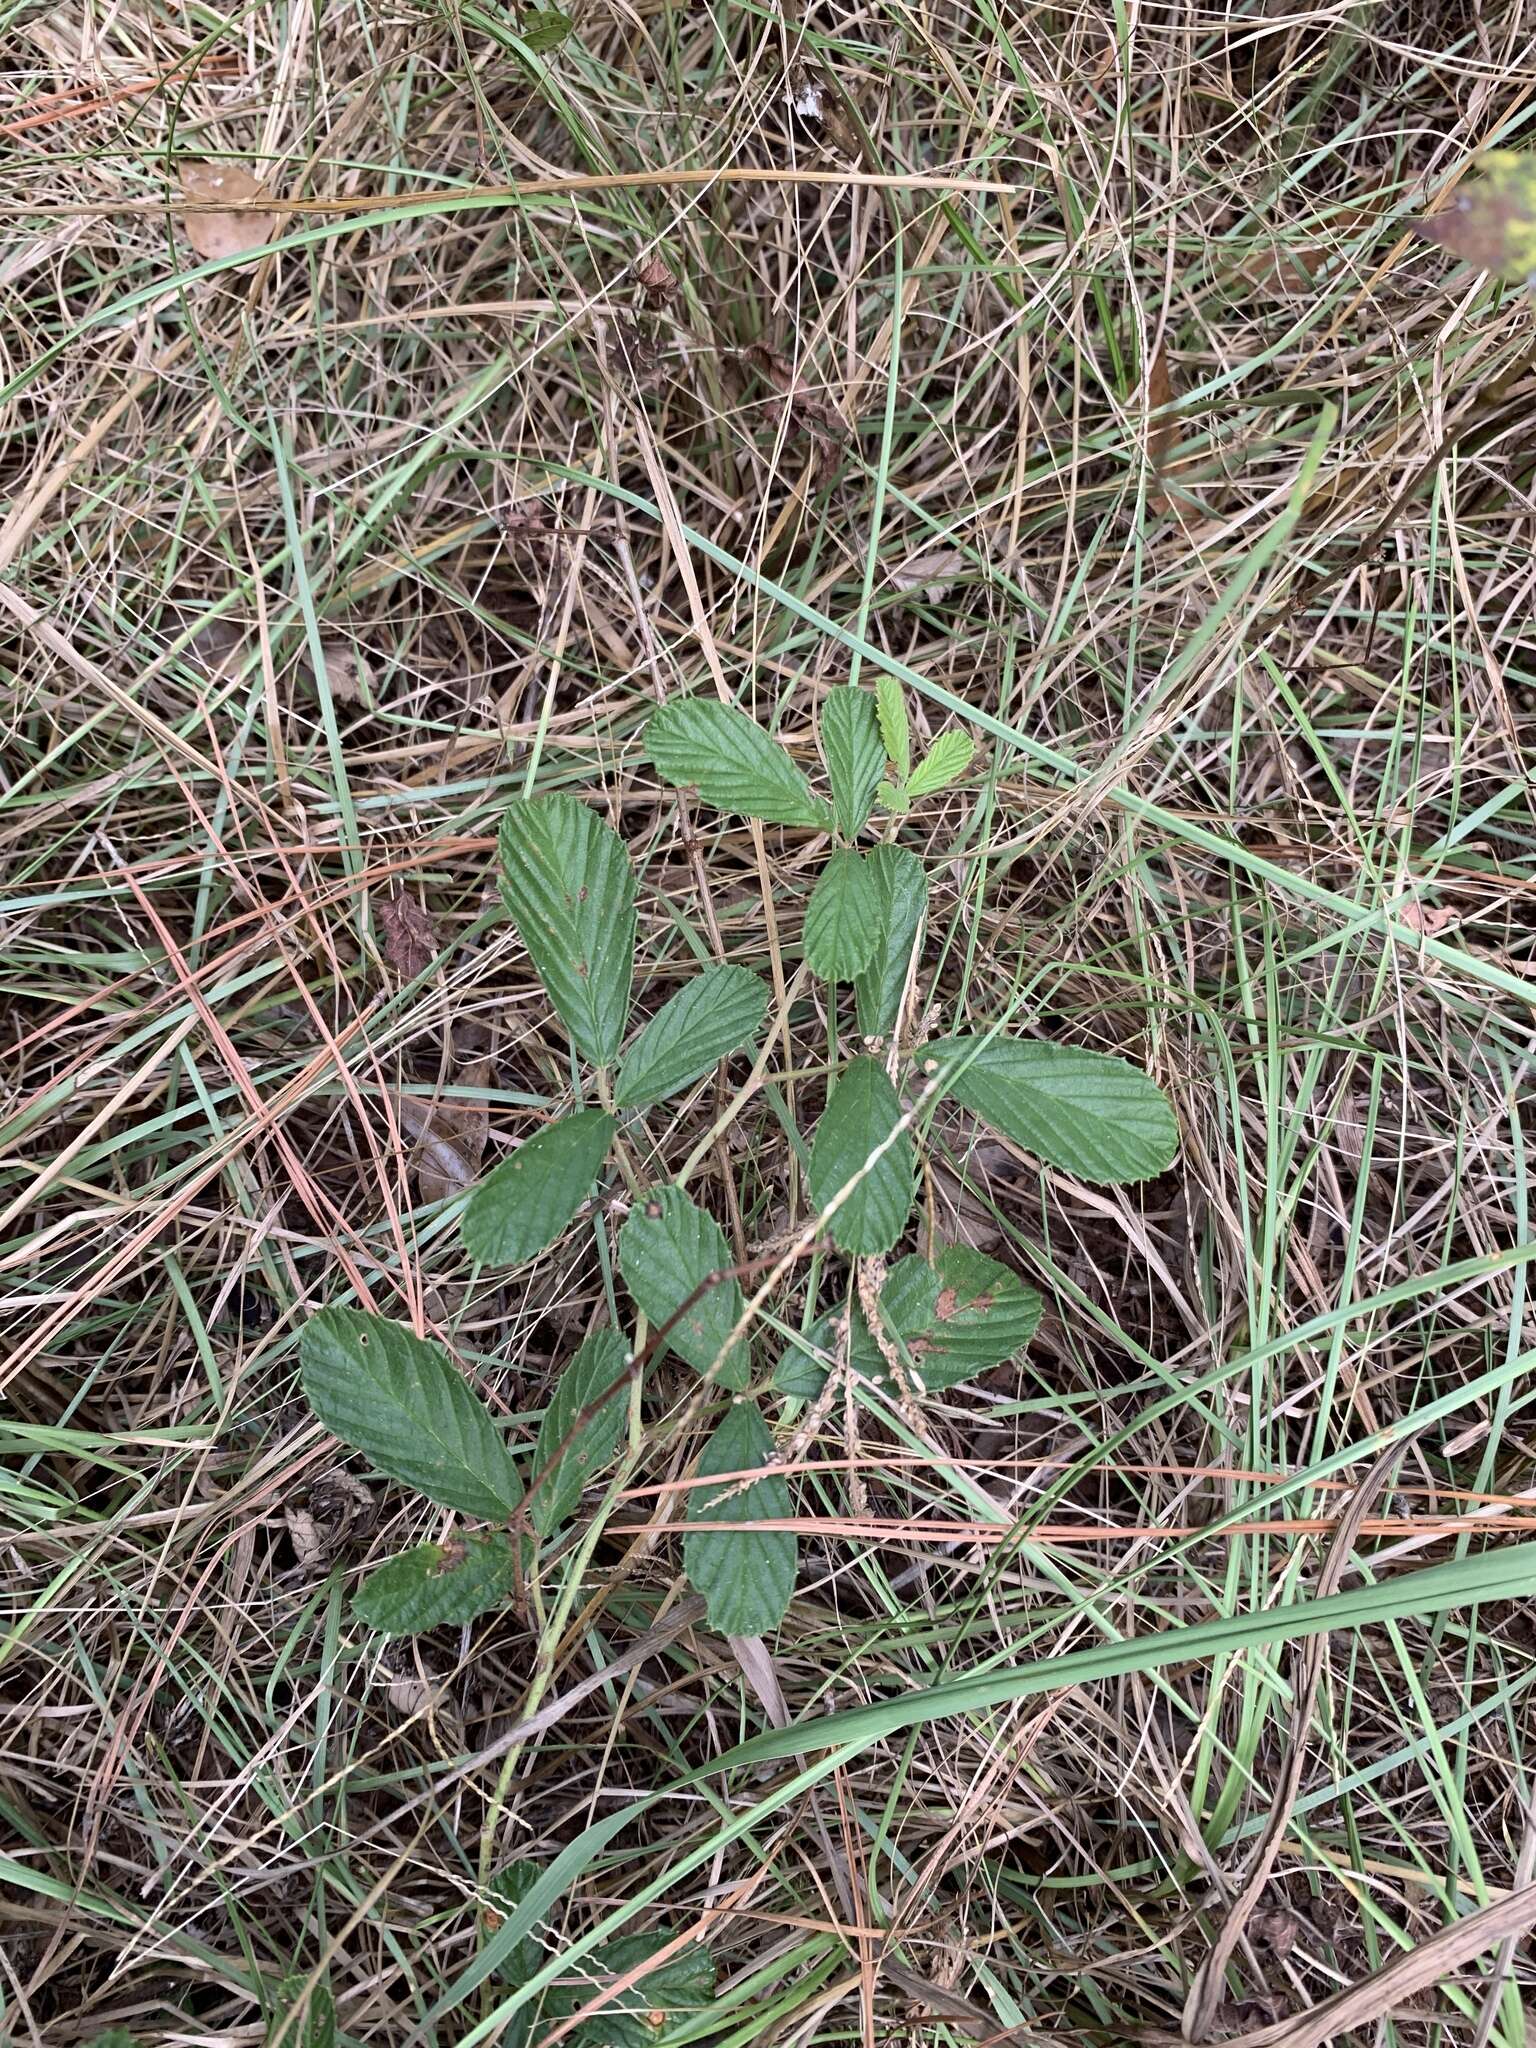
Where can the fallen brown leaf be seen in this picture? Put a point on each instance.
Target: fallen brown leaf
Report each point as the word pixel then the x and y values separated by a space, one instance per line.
pixel 814 418
pixel 1162 422
pixel 216 234
pixel 1428 918
pixel 410 936
pixel 450 1135
pixel 932 573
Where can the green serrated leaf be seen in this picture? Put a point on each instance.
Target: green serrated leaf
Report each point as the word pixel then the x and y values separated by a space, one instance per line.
pixel 651 2010
pixel 895 732
pixel 570 888
pixel 952 1320
pixel 523 1204
pixel 893 800
pixel 746 1575
pixel 717 1012
pixel 902 890
pixel 400 1401
pixel 436 1583
pixel 1087 1112
pixel 699 743
pixel 1491 223
pixel 851 1147
pixel 668 1248
pixel 948 1321
pixel 545 30
pixel 596 1368
pixel 855 758
pixel 945 762
pixel 840 919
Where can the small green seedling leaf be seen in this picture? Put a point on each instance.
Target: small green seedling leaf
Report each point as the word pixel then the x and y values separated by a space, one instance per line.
pixel 545 30
pixel 597 1367
pixel 570 888
pixel 401 1402
pixel 716 1013
pixel 667 1249
pixel 892 799
pixel 902 890
pixel 746 1575
pixel 317 2029
pixel 852 750
pixel 1087 1112
pixel 945 762
pixel 523 1204
pixel 841 918
pixel 895 733
pixel 699 743
pixel 861 1113
pixel 436 1583
pixel 1491 222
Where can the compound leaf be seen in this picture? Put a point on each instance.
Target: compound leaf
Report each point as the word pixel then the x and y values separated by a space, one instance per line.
pixel 945 762
pixel 700 743
pixel 854 1145
pixel 841 917
pixel 895 732
pixel 436 1583
pixel 597 1367
pixel 855 758
pixel 902 892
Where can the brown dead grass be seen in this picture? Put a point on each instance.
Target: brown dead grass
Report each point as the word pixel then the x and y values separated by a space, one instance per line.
pixel 310 562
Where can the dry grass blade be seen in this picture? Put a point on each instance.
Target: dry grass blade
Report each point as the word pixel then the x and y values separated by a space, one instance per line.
pixel 1428 1963
pixel 1209 1987
pixel 1079 369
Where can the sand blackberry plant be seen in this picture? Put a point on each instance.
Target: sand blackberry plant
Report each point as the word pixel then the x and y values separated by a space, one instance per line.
pixel 926 1322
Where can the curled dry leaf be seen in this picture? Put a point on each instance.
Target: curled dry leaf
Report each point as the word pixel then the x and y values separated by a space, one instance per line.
pixel 814 419
pixel 450 1134
pixel 931 573
pixel 304 1535
pixel 214 234
pixel 1429 918
pixel 410 936
pixel 346 671
pixel 657 281
pixel 416 1696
